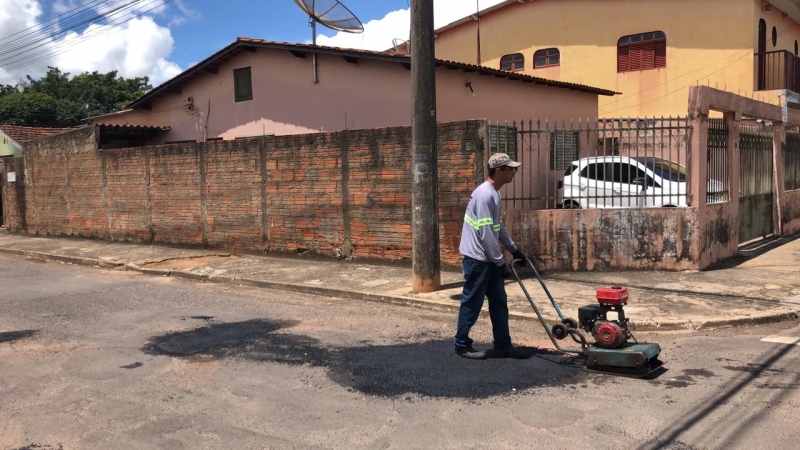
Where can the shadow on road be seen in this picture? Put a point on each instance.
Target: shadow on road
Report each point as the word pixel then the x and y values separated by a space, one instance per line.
pixel 427 368
pixel 733 427
pixel 12 336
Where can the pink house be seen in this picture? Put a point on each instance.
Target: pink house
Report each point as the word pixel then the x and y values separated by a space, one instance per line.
pixel 255 87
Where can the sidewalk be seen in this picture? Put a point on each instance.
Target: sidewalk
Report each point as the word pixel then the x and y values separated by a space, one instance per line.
pixel 754 289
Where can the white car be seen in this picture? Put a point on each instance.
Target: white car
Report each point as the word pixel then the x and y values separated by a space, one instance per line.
pixel 627 182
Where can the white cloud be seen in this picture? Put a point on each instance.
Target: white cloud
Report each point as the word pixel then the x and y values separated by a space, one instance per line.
pixel 139 47
pixel 378 34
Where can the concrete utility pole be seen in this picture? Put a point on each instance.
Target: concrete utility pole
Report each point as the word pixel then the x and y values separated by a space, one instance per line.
pixel 425 184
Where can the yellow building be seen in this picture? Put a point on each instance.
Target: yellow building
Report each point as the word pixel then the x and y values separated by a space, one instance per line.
pixel 650 51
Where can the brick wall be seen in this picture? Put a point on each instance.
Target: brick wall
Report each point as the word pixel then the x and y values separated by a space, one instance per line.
pixel 337 194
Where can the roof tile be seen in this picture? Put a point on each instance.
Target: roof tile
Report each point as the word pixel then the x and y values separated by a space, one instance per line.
pixel 22 134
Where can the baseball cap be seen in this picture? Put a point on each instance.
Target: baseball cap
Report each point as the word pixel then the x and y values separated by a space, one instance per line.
pixel 501 159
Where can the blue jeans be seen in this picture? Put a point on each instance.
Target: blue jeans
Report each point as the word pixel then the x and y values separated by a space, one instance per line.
pixel 483 279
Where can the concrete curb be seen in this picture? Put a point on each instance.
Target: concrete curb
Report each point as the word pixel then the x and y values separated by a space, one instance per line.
pixel 651 288
pixel 438 305
pixel 79 260
pixel 434 305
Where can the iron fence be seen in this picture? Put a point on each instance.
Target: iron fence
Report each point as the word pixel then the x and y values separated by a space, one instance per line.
pixel 792 162
pixel 717 177
pixel 602 163
pixel 756 174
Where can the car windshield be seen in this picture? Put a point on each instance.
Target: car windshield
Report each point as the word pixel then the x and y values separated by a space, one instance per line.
pixel 667 170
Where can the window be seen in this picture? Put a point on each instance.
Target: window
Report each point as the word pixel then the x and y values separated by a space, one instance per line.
pixel 503 139
pixel 642 52
pixel 774 37
pixel 627 174
pixel 242 84
pixel 563 149
pixel 513 63
pixel 594 172
pixel 549 57
pixel 795 48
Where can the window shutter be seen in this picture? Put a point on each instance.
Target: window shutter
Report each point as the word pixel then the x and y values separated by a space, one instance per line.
pixel 661 54
pixel 623 59
pixel 642 52
pixel 563 148
pixel 503 139
pixel 648 56
pixel 636 57
pixel 242 84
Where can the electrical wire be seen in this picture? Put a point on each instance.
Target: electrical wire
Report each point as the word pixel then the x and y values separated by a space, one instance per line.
pixel 86 17
pixel 24 49
pixel 748 52
pixel 53 20
pixel 65 47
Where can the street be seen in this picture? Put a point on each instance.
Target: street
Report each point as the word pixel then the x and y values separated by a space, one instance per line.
pixel 96 358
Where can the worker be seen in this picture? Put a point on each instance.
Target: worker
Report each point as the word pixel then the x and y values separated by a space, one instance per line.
pixel 484 267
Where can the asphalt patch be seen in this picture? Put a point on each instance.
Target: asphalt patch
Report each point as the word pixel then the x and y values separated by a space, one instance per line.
pixel 427 368
pixel 432 369
pixel 256 340
pixel 12 336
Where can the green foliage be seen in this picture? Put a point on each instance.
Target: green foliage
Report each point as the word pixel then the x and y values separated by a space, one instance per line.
pixel 28 109
pixel 7 89
pixel 67 100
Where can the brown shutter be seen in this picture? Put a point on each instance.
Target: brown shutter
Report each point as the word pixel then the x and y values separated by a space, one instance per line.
pixel 636 57
pixel 661 54
pixel 623 59
pixel 648 56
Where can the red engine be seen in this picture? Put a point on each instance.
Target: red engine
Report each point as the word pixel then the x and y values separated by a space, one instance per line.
pixel 594 318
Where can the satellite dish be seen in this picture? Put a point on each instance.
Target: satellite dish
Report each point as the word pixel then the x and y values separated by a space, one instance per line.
pixel 332 14
pixel 400 46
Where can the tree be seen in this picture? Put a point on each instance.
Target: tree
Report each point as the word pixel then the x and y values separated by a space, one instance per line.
pixel 7 89
pixel 29 109
pixel 76 98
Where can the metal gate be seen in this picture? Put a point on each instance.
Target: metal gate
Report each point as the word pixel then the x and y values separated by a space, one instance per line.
pixel 756 182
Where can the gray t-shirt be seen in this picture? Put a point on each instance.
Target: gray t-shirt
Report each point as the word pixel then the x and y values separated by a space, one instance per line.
pixel 483 227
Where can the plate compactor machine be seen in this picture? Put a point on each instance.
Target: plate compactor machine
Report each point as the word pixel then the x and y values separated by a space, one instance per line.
pixel 612 352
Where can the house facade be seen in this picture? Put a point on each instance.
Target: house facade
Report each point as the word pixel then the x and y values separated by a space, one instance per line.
pixel 13 137
pixel 254 88
pixel 8 146
pixel 651 51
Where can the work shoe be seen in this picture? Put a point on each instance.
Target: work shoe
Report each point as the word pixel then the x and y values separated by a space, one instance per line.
pixel 470 353
pixel 510 352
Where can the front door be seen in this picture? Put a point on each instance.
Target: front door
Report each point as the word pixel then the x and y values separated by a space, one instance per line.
pixel 756 184
pixel 762 50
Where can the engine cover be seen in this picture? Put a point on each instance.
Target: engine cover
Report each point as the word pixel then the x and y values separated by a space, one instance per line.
pixel 609 334
pixel 589 315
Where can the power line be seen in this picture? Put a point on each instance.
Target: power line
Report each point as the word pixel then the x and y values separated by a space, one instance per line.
pixel 43 42
pixel 65 47
pixel 56 28
pixel 52 19
pixel 748 51
pixel 679 89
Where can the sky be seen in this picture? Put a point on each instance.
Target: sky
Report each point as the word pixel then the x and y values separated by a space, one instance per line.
pixel 161 38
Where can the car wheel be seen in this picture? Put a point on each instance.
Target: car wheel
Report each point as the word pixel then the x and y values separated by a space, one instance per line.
pixel 571 204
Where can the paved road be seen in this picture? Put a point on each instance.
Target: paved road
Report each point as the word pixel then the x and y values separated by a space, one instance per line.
pixel 105 359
